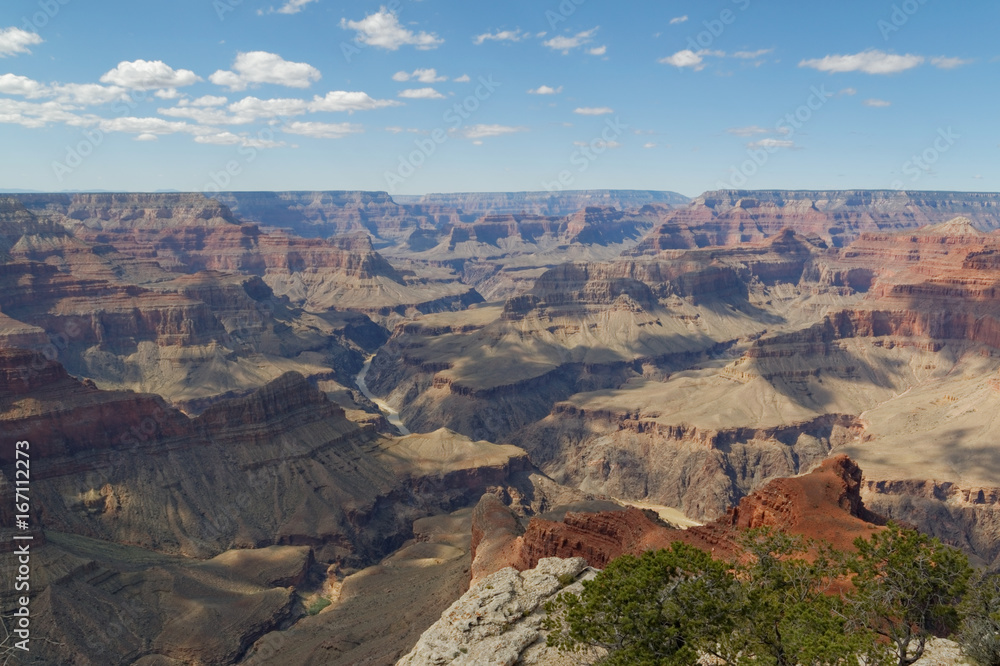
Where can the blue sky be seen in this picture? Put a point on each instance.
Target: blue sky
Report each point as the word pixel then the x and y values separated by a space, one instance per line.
pixel 444 96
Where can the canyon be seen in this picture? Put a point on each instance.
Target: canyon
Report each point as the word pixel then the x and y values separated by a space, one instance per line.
pixel 314 418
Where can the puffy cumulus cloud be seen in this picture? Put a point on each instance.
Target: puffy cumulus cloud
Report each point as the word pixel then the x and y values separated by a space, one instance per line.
pixel 147 137
pixel 598 50
pixel 133 125
pixel 84 94
pixel 421 93
pixel 254 108
pixel 421 75
pixel 500 36
pixel 257 67
pixel 341 100
pixel 383 29
pixel 88 94
pixel 217 138
pixel 204 115
pixel 485 131
pixel 148 75
pixel 566 43
pixel 12 84
pixel 16 40
pixel 242 112
pixel 323 130
pixel 593 110
pixel 872 61
pixel 684 58
pixel 35 115
pixel 545 90
pixel 462 79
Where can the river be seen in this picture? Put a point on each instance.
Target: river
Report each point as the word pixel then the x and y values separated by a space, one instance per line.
pixel 391 414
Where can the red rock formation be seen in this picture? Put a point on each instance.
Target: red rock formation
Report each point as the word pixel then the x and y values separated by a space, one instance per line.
pixel 824 505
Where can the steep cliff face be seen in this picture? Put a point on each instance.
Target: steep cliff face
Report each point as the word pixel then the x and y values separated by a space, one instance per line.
pixel 839 217
pixel 546 203
pixel 326 214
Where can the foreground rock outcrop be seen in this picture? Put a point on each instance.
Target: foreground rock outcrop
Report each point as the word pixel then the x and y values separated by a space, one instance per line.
pixel 824 504
pixel 498 621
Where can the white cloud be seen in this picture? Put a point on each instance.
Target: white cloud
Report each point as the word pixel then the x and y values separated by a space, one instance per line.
pixel 15 40
pixel 262 67
pixel 204 115
pixel 485 131
pixel 421 93
pixel 149 74
pixel 771 143
pixel 340 100
pixel 848 91
pixel 685 58
pixel 593 111
pixel 293 6
pixel 31 114
pixel 323 130
pixel 88 94
pixel 147 137
pixel 500 36
pixel 678 19
pixel 133 125
pixel 869 62
pixel 219 139
pixel 421 75
pixel 382 29
pixel 545 90
pixel 252 108
pixel 463 79
pixel 207 100
pixel 598 50
pixel 12 84
pixel 942 62
pixel 877 103
pixel 750 55
pixel 167 93
pixel 649 145
pixel 747 131
pixel 567 44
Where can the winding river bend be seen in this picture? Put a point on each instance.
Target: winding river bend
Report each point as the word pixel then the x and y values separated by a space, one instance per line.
pixel 390 414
